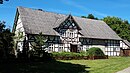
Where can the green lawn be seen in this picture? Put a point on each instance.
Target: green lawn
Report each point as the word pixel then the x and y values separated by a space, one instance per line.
pixel 111 65
pixel 41 67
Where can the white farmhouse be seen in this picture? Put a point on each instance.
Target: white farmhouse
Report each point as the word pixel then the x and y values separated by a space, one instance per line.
pixel 64 32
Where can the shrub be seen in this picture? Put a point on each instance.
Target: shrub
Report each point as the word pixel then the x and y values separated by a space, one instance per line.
pixel 83 53
pixel 95 51
pixel 67 54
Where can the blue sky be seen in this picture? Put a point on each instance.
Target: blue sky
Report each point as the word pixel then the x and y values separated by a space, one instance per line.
pixel 99 8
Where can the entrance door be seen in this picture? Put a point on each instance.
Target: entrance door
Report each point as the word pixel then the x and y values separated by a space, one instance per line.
pixel 73 48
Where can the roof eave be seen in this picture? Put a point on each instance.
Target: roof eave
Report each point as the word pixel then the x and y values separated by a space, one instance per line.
pixel 43 34
pixel 101 38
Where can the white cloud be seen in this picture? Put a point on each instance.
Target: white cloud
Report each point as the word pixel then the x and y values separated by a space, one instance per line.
pixel 83 8
pixel 63 11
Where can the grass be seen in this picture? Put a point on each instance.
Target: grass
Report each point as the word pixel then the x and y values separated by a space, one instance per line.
pixel 111 65
pixel 41 67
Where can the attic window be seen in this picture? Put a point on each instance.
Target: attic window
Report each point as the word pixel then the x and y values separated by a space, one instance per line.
pixel 73 24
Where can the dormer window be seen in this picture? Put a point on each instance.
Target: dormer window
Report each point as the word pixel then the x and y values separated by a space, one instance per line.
pixel 70 26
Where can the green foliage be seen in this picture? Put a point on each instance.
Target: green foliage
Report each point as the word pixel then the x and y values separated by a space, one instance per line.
pixel 1 1
pixel 20 35
pixel 38 49
pixel 83 17
pixel 68 54
pixel 111 65
pixel 121 27
pixel 95 51
pixel 6 41
pixel 83 53
pixel 42 67
pixel 40 40
pixel 90 16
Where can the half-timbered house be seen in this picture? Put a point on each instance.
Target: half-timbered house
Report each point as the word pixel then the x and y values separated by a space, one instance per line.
pixel 64 32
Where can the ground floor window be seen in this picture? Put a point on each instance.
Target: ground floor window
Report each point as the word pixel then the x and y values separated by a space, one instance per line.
pixel 112 47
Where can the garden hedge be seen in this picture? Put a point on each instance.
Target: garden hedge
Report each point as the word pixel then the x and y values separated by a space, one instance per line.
pixel 68 55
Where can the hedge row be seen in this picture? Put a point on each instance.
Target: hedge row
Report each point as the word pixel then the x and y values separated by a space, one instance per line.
pixel 68 54
pixel 75 56
pixel 92 53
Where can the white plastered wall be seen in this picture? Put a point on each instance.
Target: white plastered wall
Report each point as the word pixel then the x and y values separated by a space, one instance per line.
pixel 19 30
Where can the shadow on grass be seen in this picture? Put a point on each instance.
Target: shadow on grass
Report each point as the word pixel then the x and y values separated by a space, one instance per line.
pixel 42 67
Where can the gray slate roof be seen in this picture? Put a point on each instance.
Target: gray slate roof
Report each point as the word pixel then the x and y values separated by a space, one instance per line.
pixel 35 21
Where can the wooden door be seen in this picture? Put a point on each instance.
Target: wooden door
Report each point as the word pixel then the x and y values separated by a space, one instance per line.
pixel 73 48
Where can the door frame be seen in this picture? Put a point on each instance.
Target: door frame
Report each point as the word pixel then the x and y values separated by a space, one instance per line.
pixel 73 48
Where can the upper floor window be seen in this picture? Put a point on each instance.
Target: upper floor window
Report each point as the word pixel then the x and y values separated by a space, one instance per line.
pixel 71 34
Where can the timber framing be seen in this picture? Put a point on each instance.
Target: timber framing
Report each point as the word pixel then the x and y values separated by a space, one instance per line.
pixel 65 33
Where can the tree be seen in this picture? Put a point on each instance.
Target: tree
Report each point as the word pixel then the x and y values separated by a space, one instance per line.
pixel 90 16
pixel 6 41
pixel 83 17
pixel 121 27
pixel 1 1
pixel 39 45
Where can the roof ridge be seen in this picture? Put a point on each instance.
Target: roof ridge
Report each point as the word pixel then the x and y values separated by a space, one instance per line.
pixel 59 13
pixel 88 19
pixel 43 10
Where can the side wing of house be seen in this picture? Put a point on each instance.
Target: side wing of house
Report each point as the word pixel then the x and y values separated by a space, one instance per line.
pixel 125 48
pixel 109 47
pixel 124 44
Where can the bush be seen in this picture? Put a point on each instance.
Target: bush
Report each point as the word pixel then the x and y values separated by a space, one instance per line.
pixel 95 51
pixel 66 54
pixel 83 53
pixel 69 55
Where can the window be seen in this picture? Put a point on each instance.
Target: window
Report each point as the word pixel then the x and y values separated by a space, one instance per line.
pixel 60 49
pixel 65 34
pixel 112 47
pixel 72 34
pixel 69 34
pixel 73 24
pixel 70 26
pixel 51 47
pixel 69 23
